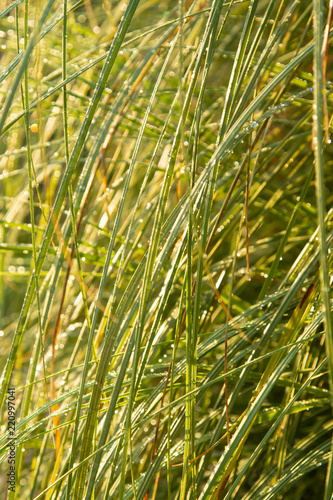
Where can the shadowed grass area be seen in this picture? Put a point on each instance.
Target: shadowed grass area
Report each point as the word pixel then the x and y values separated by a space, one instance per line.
pixel 166 249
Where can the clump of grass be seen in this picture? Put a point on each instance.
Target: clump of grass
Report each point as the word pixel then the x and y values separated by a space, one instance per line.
pixel 166 235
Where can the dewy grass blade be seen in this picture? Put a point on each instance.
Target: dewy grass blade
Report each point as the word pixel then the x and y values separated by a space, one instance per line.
pixel 318 146
pixel 24 63
pixel 105 354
